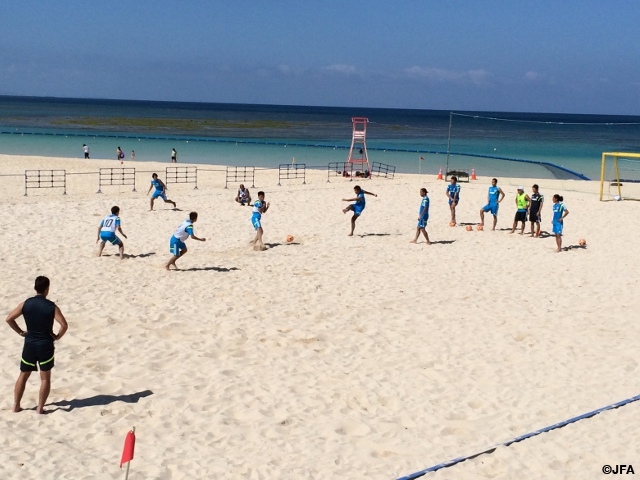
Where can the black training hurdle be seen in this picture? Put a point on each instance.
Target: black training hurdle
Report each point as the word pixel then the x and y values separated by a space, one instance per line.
pixel 182 175
pixel 45 179
pixel 240 175
pixel 116 176
pixel 382 170
pixel 339 169
pixel 292 171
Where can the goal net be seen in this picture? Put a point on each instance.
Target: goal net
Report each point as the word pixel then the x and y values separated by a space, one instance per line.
pixel 620 176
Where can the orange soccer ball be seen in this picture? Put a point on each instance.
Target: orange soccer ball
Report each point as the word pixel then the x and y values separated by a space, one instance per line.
pixel 582 242
pixel 289 238
pixel 469 228
pixel 452 224
pixel 479 228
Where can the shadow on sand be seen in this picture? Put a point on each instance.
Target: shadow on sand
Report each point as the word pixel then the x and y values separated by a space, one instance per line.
pixel 206 269
pixel 98 400
pixel 442 242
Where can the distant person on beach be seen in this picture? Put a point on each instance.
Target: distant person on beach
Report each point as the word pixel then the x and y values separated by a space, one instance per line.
pixel 243 197
pixel 176 245
pixel 357 207
pixel 535 211
pixel 453 194
pixel 119 154
pixel 39 315
pixel 494 197
pixel 522 207
pixel 559 213
pixel 174 156
pixel 423 217
pixel 107 231
pixel 160 191
pixel 86 150
pixel 133 154
pixel 259 207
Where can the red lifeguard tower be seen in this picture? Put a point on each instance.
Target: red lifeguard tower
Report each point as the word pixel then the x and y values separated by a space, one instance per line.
pixel 358 160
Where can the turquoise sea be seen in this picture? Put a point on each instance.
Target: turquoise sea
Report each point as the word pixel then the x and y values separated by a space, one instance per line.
pixel 494 143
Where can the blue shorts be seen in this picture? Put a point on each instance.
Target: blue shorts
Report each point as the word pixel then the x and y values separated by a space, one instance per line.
pixel 422 223
pixel 110 237
pixel 491 208
pixel 176 245
pixel 255 221
pixel 357 209
pixel 557 228
pixel 451 201
pixel 159 193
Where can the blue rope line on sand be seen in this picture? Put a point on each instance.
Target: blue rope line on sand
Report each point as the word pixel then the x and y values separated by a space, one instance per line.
pixel 455 461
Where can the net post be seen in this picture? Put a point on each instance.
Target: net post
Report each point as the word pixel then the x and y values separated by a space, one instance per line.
pixel 602 168
pixel 615 165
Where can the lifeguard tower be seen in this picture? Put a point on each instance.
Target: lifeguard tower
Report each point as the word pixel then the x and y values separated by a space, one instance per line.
pixel 358 160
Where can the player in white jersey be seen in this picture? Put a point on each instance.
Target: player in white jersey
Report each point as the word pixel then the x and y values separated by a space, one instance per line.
pixel 107 231
pixel 176 245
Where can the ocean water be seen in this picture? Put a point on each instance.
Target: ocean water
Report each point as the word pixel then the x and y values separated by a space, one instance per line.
pixel 494 144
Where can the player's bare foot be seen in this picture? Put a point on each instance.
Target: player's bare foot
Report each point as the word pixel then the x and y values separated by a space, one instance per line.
pixel 413 241
pixel 17 409
pixel 428 243
pixel 345 210
pixel 350 235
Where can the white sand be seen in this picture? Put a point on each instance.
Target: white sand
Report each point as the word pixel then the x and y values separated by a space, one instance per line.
pixel 332 357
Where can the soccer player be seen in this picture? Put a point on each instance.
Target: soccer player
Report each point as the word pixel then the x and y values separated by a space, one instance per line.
pixel 259 207
pixel 39 314
pixel 160 191
pixel 107 231
pixel 357 207
pixel 522 204
pixel 494 197
pixel 559 213
pixel 535 210
pixel 176 245
pixel 423 217
pixel 453 194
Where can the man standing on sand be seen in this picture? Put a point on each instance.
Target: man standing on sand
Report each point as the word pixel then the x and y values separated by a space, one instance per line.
pixel 174 156
pixel 522 205
pixel 423 217
pixel 492 203
pixel 259 207
pixel 535 210
pixel 39 314
pixel 453 194
pixel 357 207
pixel 176 245
pixel 160 191
pixel 86 151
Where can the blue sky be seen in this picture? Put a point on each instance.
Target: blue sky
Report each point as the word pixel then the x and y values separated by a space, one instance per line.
pixel 565 56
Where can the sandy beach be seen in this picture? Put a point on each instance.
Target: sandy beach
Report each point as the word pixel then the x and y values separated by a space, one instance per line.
pixel 329 357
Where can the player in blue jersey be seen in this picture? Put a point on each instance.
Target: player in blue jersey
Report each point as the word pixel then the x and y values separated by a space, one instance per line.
pixel 160 191
pixel 494 197
pixel 176 245
pixel 453 194
pixel 423 217
pixel 107 231
pixel 259 207
pixel 559 213
pixel 357 207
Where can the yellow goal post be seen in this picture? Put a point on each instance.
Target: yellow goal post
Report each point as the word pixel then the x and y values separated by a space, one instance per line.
pixel 618 169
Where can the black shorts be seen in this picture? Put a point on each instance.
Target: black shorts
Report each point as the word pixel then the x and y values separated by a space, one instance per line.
pixel 533 217
pixel 521 216
pixel 37 353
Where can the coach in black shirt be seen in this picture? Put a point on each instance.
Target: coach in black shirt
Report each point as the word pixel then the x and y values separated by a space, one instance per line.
pixel 39 314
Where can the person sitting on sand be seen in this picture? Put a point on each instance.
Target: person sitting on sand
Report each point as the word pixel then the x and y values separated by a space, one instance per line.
pixel 39 314
pixel 522 205
pixel 243 197
pixel 176 244
pixel 357 207
pixel 259 207
pixel 559 213
pixel 494 197
pixel 423 217
pixel 107 231
pixel 160 191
